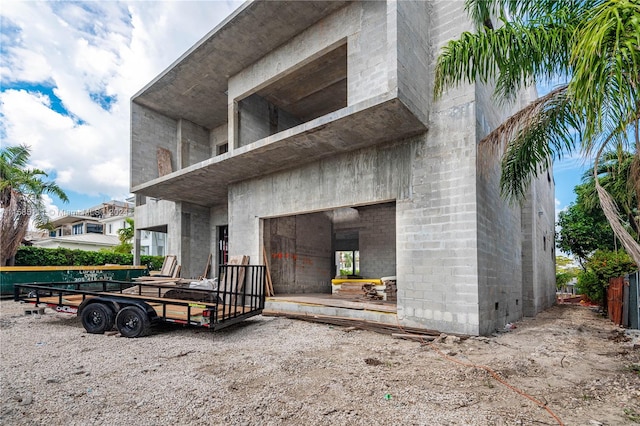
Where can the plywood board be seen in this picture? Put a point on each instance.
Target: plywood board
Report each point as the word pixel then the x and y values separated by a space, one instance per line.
pixel 164 161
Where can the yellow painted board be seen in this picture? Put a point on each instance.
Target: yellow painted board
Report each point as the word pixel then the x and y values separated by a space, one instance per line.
pixel 338 281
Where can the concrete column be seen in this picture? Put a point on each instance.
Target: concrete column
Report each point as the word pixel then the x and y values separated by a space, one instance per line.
pixel 136 247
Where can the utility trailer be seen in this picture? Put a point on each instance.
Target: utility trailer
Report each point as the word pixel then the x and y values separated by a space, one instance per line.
pixel 102 304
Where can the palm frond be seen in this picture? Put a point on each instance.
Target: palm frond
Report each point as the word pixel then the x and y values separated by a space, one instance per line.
pixel 546 131
pixel 606 63
pixel 529 139
pixel 514 55
pixel 480 11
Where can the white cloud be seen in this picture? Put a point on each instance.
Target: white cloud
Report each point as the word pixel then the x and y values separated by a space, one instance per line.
pixel 69 70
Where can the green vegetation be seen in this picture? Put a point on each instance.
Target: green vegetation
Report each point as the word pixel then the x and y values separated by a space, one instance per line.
pixel 601 266
pixel 37 256
pixel 125 235
pixel 583 228
pixel 564 272
pixel 594 44
pixel 21 191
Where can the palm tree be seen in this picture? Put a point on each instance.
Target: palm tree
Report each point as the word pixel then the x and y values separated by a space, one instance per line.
pixel 125 235
pixel 21 191
pixel 615 176
pixel 595 45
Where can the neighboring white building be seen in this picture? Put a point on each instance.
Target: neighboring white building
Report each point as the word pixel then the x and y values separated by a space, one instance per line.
pixel 92 229
pixel 87 242
pixel 152 243
pixel 96 228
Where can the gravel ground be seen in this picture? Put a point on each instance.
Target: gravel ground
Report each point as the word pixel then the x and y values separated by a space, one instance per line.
pixel 273 371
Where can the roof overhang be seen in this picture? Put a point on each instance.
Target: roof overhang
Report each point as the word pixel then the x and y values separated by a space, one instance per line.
pixel 362 125
pixel 69 219
pixel 195 86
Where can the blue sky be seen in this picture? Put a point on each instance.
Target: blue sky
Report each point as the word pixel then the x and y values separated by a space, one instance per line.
pixel 69 69
pixel 67 73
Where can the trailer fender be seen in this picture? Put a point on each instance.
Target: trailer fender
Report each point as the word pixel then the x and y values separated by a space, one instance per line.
pixel 109 303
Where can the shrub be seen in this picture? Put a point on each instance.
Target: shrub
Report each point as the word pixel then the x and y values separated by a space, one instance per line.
pixel 601 266
pixel 38 256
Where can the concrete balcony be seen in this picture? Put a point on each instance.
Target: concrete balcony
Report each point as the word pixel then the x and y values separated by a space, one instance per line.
pixel 371 122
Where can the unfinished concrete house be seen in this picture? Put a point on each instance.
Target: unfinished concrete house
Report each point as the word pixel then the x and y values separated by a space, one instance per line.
pixel 305 133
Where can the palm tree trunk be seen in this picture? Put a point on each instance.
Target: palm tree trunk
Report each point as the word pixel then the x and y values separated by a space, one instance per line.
pixel 13 227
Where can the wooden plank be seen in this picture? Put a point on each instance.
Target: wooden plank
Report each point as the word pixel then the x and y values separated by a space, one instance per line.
pixel 378 327
pixel 207 267
pixel 157 280
pixel 269 289
pixel 233 283
pixel 176 271
pixel 174 312
pixel 70 300
pixel 415 337
pixel 164 161
pixel 168 266
pixel 339 303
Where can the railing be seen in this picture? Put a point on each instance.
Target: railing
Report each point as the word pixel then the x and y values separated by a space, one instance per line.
pixel 240 290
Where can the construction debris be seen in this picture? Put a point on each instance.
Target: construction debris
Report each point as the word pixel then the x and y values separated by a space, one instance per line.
pixel 390 288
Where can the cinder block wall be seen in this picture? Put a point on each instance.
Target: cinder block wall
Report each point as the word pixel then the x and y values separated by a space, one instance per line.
pixel 150 130
pixel 361 24
pixel 437 235
pixel 538 252
pixel 376 228
pixel 193 143
pixel 413 54
pixel 195 239
pixel 499 235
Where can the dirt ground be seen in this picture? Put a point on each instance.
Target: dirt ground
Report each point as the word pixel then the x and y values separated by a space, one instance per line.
pixel 567 366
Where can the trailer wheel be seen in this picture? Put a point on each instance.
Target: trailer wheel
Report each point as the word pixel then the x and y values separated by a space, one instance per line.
pixel 132 321
pixel 97 318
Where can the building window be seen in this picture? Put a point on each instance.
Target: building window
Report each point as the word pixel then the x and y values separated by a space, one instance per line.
pixel 94 228
pixel 78 229
pixel 110 228
pixel 52 233
pixel 222 149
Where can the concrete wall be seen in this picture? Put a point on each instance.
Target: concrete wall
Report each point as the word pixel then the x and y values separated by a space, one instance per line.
pixel 155 213
pixel 362 24
pixel 499 236
pixel 437 236
pixel 196 241
pixel 299 252
pixel 150 130
pixel 368 62
pixel 373 175
pixel 257 119
pixel 218 136
pixel 375 226
pixel 193 143
pixel 538 249
pixel 413 55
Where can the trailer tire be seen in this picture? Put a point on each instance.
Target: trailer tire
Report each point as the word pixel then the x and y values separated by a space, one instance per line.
pixel 97 318
pixel 133 321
